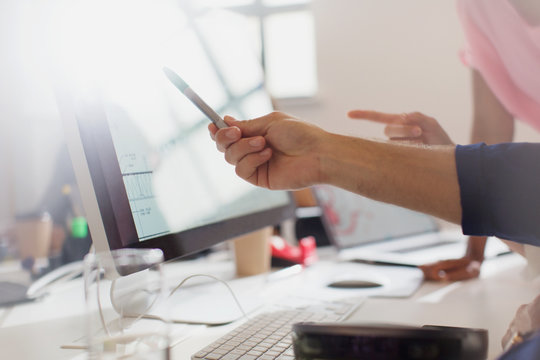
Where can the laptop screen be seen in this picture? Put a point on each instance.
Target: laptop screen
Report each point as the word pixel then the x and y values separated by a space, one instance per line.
pixel 351 220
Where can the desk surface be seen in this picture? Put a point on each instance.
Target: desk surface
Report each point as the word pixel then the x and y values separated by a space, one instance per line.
pixel 37 330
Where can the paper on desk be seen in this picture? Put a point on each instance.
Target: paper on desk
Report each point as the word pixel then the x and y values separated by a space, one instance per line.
pixel 397 281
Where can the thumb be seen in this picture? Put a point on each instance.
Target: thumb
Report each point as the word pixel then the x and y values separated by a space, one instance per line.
pixel 250 128
pixel 231 121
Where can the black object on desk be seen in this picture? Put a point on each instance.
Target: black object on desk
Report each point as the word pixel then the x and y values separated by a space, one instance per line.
pixel 354 284
pixel 330 341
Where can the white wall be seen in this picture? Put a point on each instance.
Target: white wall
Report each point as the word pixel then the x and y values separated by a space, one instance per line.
pixel 30 131
pixel 392 56
pixel 387 55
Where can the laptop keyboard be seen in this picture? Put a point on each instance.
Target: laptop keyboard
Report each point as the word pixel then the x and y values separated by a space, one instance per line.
pixel 268 336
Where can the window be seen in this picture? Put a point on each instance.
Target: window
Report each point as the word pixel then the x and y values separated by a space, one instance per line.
pixel 283 34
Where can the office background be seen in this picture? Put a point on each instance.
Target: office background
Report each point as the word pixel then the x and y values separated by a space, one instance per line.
pixel 392 56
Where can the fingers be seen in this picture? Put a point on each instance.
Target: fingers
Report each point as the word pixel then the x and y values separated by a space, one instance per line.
pixel 507 338
pixel 402 131
pixel 376 116
pixel 212 128
pixel 412 127
pixel 253 167
pixel 451 270
pixel 399 126
pixel 244 147
pixel 259 126
pixel 246 153
pixel 224 138
pixel 462 273
pixel 520 325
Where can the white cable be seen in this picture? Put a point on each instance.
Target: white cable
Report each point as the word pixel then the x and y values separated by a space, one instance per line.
pixel 98 294
pixel 217 279
pixel 120 311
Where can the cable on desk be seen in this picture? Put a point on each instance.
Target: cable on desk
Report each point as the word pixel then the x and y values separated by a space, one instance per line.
pixel 121 312
pixel 218 280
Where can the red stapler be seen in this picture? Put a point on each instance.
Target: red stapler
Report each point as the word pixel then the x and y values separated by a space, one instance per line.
pixel 284 254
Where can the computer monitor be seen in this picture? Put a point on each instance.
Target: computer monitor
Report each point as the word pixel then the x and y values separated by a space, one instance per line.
pixel 149 174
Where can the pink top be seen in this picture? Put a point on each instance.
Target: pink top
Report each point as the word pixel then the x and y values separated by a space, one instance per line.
pixel 505 49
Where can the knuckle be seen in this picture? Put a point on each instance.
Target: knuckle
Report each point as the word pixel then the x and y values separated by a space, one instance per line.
pixel 220 147
pixel 220 138
pixel 431 120
pixel 229 158
pixel 240 171
pixel 276 115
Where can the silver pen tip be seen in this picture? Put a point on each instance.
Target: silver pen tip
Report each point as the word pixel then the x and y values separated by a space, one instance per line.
pixel 175 79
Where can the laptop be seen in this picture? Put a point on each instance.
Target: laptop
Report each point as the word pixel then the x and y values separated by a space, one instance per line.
pixel 370 231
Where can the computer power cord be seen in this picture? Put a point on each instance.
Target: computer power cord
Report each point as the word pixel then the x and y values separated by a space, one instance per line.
pixel 144 314
pixel 231 291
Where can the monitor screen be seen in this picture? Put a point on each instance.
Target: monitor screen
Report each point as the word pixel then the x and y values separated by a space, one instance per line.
pixel 155 175
pixel 353 220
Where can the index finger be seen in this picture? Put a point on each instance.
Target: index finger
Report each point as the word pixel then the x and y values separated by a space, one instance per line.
pixel 462 273
pixel 376 116
pixel 440 269
pixel 213 130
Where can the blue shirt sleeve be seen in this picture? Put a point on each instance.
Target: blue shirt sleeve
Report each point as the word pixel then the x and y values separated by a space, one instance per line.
pixel 500 190
pixel 529 349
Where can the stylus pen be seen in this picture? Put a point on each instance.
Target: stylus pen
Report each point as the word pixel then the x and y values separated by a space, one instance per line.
pixel 195 99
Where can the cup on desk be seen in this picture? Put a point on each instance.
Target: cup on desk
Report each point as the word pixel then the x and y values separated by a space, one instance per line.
pixel 252 252
pixel 33 236
pixel 121 288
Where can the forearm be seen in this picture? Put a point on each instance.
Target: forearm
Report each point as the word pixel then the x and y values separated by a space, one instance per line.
pixel 492 123
pixel 476 247
pixel 419 178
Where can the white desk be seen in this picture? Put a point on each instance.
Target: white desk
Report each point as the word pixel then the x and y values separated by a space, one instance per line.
pixel 37 330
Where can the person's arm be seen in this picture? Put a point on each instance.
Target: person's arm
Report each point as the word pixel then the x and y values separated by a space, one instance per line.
pixel 409 128
pixel 420 178
pixel 528 349
pixel 499 190
pixel 525 322
pixel 492 124
pixel 491 190
pixel 298 155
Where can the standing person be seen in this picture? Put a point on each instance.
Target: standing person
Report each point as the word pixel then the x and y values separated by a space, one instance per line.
pixel 504 53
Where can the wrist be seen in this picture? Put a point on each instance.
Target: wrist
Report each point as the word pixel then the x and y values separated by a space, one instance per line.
pixel 324 155
pixel 330 158
pixel 475 248
pixel 344 161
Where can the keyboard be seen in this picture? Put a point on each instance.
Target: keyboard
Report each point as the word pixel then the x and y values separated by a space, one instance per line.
pixel 268 336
